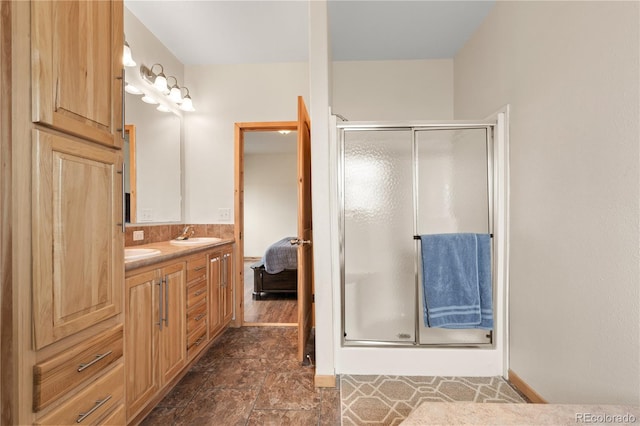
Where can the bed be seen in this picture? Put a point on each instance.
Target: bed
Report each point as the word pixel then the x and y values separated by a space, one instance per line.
pixel 277 271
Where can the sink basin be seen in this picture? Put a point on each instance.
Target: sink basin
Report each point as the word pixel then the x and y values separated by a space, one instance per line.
pixel 194 241
pixel 139 253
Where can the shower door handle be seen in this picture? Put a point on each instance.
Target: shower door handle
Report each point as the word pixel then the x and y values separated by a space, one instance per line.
pixel 299 242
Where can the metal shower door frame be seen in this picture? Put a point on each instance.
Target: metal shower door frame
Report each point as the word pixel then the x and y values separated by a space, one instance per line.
pixel 413 127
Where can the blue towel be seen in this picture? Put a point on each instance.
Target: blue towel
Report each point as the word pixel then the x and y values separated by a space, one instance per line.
pixel 456 279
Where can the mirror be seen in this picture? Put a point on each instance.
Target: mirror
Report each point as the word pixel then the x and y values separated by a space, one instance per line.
pixel 153 176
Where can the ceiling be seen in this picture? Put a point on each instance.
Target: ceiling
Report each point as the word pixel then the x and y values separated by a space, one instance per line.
pixel 233 32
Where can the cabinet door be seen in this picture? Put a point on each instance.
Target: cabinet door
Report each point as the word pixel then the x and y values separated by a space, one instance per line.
pixel 142 319
pixel 77 236
pixel 227 287
pixel 215 316
pixel 77 67
pixel 173 336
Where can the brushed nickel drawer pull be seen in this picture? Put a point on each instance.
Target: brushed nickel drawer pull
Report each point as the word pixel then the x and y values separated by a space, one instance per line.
pixel 98 357
pixel 160 303
pixel 199 292
pixel 199 268
pixel 166 300
pixel 199 317
pixel 99 404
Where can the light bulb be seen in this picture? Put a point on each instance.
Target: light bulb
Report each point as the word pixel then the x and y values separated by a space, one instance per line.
pixel 187 104
pixel 160 82
pixel 148 99
pixel 127 59
pixel 175 95
pixel 284 132
pixel 129 88
pixel 163 108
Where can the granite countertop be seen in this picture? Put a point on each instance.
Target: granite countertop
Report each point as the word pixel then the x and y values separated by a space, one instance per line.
pixel 170 251
pixel 472 413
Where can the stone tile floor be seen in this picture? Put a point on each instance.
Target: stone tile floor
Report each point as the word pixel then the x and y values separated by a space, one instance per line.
pixel 250 376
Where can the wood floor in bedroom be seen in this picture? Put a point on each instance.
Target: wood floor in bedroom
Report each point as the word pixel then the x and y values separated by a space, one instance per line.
pixel 281 309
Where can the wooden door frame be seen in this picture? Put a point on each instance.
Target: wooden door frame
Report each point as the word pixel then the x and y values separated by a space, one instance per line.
pixel 240 129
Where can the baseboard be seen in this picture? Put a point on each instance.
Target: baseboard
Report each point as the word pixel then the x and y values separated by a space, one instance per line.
pixel 325 381
pixel 525 389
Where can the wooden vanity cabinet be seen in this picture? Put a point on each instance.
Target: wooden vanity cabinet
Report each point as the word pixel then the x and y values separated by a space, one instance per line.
pixel 200 303
pixel 155 321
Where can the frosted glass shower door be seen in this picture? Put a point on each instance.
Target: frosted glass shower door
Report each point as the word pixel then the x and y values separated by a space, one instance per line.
pixel 452 197
pixel 378 250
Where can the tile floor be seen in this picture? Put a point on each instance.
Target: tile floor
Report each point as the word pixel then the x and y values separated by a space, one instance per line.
pixel 250 376
pixel 388 400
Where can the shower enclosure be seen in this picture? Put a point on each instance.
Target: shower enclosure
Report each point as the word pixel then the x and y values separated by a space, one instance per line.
pixel 397 181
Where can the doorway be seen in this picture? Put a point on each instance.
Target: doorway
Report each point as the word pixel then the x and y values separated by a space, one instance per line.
pixel 270 222
pixel 304 235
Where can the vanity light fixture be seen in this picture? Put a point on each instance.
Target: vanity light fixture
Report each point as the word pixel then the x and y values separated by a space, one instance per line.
pixel 127 59
pixel 163 108
pixel 284 132
pixel 167 86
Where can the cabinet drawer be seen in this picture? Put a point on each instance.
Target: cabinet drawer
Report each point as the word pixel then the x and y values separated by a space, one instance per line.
pixel 57 375
pixel 196 268
pixel 196 317
pixel 116 418
pixel 196 293
pixel 196 341
pixel 92 403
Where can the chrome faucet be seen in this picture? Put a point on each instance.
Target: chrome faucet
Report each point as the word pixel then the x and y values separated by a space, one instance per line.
pixel 187 232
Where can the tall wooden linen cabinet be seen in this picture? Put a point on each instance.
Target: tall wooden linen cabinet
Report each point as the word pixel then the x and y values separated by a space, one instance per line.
pixel 62 291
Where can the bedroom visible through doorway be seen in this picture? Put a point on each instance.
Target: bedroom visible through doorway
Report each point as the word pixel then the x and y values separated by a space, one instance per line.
pixel 270 221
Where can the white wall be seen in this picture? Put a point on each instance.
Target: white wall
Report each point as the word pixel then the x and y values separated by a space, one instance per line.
pixel 222 96
pixel 323 267
pixel 270 200
pixel 570 72
pixel 393 90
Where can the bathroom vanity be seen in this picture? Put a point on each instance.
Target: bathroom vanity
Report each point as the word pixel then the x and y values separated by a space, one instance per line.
pixel 178 299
